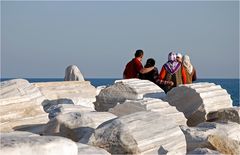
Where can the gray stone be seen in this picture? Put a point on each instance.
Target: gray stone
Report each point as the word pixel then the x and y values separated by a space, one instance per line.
pixel 75 125
pixel 72 73
pixel 226 114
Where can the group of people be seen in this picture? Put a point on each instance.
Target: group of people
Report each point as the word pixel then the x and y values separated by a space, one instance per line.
pixel 177 70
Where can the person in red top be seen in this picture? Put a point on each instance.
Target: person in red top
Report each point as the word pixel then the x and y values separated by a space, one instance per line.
pixel 134 67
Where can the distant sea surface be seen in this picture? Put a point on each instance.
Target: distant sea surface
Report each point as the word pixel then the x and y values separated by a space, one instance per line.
pixel 231 85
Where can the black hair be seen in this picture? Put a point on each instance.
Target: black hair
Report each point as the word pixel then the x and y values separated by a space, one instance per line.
pixel 150 63
pixel 138 53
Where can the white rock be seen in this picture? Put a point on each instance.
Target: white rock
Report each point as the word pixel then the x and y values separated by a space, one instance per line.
pixel 72 73
pixel 204 151
pixel 131 89
pixel 199 99
pixel 81 93
pixel 149 104
pixel 197 137
pixel 36 145
pixel 90 150
pixel 140 133
pixel 226 114
pixel 75 125
pixel 19 100
pixel 35 124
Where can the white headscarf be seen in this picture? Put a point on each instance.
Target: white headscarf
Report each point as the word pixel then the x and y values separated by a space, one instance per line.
pixel 187 64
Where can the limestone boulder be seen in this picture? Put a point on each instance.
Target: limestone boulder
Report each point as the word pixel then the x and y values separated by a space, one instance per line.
pixel 20 100
pixel 122 90
pixel 143 132
pixel 72 73
pixel 198 137
pixel 79 92
pixel 197 100
pixel 76 125
pixel 62 106
pixel 36 145
pixel 149 104
pixel 226 114
pixel 204 151
pixel 90 150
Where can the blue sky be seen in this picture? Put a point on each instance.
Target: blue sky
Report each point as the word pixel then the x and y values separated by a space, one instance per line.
pixel 40 39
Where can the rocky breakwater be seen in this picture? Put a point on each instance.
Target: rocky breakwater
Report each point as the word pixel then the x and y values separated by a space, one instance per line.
pixel 133 117
pixel 199 101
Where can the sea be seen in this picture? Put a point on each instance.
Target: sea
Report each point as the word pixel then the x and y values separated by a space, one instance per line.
pixel 231 85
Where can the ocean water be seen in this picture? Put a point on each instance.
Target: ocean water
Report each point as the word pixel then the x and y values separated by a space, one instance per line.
pixel 231 85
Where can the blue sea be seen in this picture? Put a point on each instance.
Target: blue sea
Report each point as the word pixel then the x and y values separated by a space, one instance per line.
pixel 231 85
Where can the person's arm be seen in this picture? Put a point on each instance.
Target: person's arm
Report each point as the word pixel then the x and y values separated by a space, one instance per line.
pixel 146 70
pixel 194 78
pixel 162 75
pixel 184 76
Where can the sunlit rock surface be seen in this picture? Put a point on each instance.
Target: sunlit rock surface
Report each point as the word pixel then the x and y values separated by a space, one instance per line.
pixel 122 90
pixel 197 100
pixel 149 104
pixel 76 125
pixel 198 137
pixel 16 144
pixel 90 150
pixel 140 133
pixel 20 101
pixel 81 93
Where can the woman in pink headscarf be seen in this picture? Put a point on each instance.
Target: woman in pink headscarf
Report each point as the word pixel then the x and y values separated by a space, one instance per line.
pixel 171 74
pixel 190 71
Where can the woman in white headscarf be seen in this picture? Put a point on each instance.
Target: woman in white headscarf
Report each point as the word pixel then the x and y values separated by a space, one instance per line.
pixel 190 71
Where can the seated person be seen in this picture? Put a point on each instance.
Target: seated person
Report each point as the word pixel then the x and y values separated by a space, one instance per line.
pixel 153 74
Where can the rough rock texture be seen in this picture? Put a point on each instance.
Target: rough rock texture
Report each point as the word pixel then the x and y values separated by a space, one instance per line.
pixel 75 125
pixel 72 73
pixel 81 93
pixel 140 133
pixel 20 100
pixel 224 145
pixel 197 137
pixel 131 89
pixel 226 114
pixel 149 104
pixel 90 150
pixel 62 106
pixel 204 151
pixel 199 99
pixel 36 145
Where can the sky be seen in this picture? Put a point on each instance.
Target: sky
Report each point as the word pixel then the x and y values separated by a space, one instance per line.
pixel 40 39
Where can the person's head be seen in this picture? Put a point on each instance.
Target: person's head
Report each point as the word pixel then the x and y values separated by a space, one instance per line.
pixel 150 63
pixel 186 59
pixel 139 54
pixel 172 56
pixel 179 57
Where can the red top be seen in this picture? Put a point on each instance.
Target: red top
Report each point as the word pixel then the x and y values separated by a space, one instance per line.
pixel 164 72
pixel 132 69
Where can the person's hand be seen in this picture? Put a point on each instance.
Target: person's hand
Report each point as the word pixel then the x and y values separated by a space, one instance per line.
pixel 171 83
